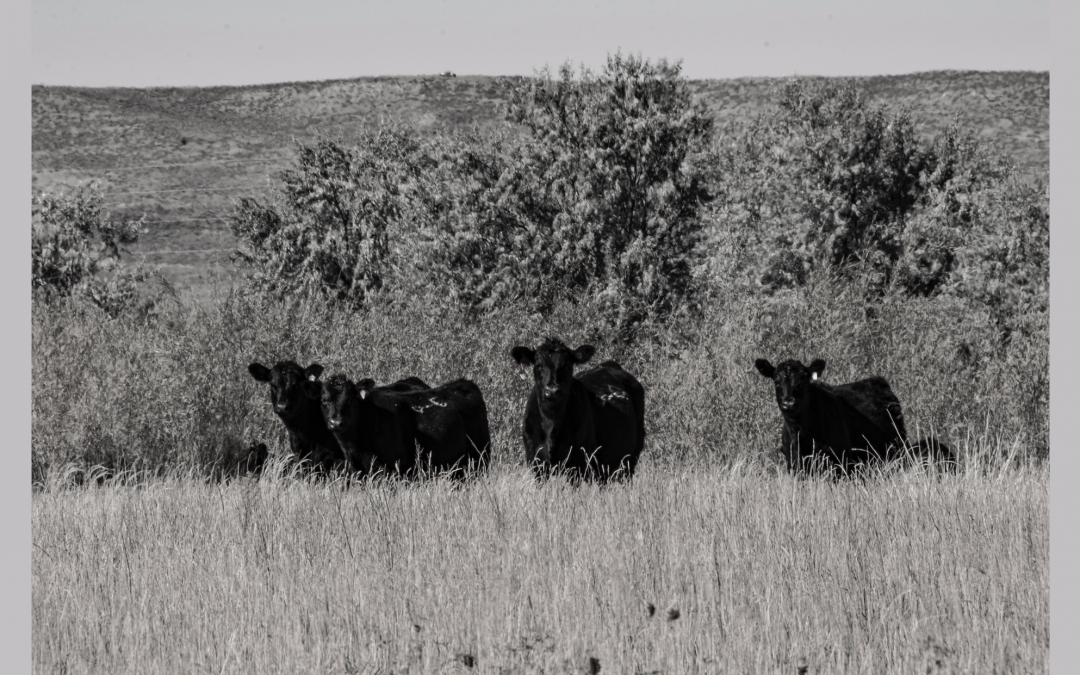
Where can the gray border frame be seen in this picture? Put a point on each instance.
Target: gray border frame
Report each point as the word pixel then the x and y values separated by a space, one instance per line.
pixel 15 131
pixel 1064 322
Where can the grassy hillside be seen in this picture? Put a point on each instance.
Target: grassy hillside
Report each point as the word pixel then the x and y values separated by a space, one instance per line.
pixel 181 156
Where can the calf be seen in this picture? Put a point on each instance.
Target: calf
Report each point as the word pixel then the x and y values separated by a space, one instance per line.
pixel 591 424
pixel 383 427
pixel 841 426
pixel 309 438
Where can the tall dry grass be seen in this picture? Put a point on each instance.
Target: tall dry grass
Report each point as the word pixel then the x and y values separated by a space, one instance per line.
pixel 172 391
pixel 746 568
pixel 698 568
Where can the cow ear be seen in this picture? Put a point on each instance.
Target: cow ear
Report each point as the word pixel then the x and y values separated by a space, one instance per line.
pixel 313 371
pixel 816 368
pixel 364 387
pixel 311 389
pixel 583 353
pixel 765 368
pixel 523 355
pixel 259 372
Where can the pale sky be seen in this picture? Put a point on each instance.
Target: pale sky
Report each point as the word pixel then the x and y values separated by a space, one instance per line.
pixel 142 43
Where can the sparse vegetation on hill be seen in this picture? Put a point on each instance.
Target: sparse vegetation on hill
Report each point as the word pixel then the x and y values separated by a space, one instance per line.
pixel 182 156
pixel 76 252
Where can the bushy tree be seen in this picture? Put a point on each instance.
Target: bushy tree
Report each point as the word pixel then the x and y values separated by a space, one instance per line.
pixel 76 250
pixel 827 180
pixel 598 201
pixel 595 196
pixel 475 226
pixel 325 228
pixel 981 234
pixel 616 155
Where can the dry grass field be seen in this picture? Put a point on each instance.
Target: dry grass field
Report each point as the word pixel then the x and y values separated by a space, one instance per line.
pixel 712 560
pixel 181 157
pixel 697 569
pixel 747 568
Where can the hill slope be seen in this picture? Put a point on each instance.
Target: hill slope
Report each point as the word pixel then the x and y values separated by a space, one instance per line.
pixel 182 156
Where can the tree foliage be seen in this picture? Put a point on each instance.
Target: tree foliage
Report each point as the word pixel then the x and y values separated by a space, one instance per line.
pixel 598 200
pixel 603 189
pixel 325 228
pixel 476 225
pixel 829 180
pixel 617 155
pixel 76 250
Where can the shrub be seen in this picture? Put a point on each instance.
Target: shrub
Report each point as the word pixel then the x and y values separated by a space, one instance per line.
pixel 618 158
pixel 325 229
pixel 826 179
pixel 981 234
pixel 474 229
pixel 76 251
pixel 829 181
pixel 600 200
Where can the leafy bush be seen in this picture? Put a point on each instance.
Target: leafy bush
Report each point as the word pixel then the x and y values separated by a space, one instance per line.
pixel 599 200
pixel 824 180
pixel 829 181
pixel 474 229
pixel 76 251
pixel 981 235
pixel 326 227
pixel 618 157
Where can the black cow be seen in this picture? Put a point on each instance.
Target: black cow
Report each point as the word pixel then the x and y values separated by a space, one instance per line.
pixel 591 424
pixel 309 437
pixel 381 428
pixel 839 427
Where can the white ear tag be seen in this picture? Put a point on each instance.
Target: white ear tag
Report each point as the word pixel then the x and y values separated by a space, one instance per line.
pixel 813 376
pixel 363 394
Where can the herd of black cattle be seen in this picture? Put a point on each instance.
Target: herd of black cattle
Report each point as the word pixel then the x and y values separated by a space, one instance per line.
pixel 588 425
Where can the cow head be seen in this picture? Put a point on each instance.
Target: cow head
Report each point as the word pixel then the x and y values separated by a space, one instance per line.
pixel 553 366
pixel 792 380
pixel 340 400
pixel 286 381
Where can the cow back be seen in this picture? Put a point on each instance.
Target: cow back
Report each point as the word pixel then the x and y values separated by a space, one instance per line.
pixel 851 423
pixel 385 436
pixel 450 423
pixel 617 402
pixel 875 400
